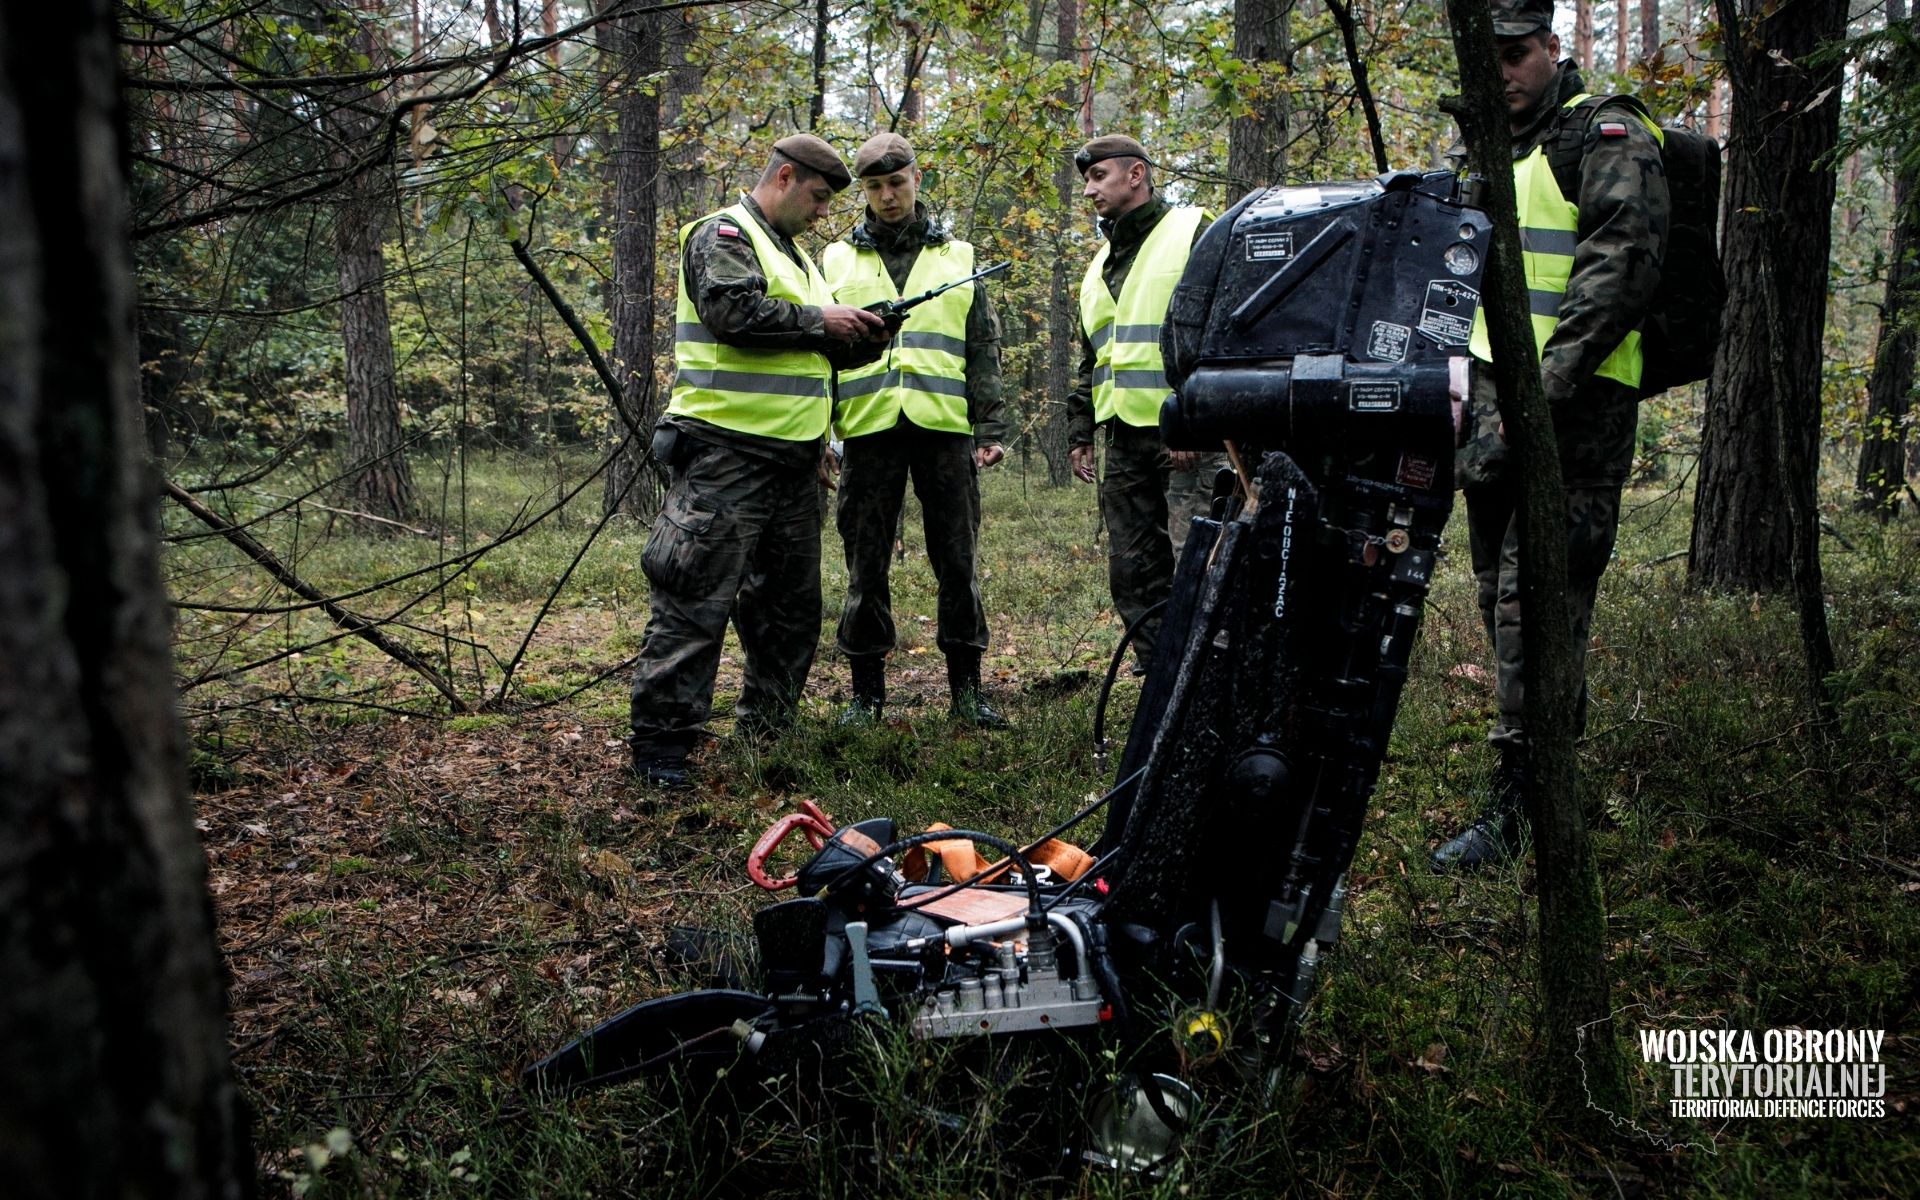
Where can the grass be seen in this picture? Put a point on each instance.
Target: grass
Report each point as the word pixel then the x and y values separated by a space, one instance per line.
pixel 413 907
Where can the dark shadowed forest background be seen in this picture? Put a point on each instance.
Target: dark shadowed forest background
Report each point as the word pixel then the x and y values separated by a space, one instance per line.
pixel 402 280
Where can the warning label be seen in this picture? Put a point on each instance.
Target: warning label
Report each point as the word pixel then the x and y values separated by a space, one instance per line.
pixel 1447 317
pixel 1388 342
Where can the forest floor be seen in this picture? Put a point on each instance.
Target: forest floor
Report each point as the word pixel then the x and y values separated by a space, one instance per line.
pixel 414 905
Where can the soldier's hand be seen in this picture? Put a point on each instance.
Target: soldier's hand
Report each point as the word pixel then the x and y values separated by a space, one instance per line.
pixel 846 323
pixel 987 455
pixel 829 466
pixel 1080 458
pixel 1183 460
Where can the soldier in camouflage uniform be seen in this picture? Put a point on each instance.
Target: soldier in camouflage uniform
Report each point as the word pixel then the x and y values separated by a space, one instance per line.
pixel 929 409
pixel 1149 495
pixel 1614 237
pixel 757 337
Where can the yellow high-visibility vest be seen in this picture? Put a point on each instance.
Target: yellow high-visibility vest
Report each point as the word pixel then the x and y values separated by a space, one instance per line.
pixel 1129 375
pixel 781 394
pixel 924 372
pixel 1549 231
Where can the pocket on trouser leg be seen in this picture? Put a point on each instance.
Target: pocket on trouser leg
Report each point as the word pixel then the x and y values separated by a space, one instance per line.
pixel 1482 456
pixel 682 556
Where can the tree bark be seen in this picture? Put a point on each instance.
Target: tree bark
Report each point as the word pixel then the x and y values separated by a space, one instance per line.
pixel 1882 474
pixel 1779 206
pixel 1583 34
pixel 117 1073
pixel 1582 1066
pixel 817 106
pixel 1620 26
pixel 635 219
pixel 683 184
pixel 1650 32
pixel 1063 318
pixel 913 101
pixel 384 484
pixel 1257 141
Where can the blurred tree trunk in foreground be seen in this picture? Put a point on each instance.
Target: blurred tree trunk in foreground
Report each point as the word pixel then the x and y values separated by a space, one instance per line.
pixel 116 1067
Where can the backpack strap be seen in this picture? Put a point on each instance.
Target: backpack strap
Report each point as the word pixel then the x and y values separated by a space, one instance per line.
pixel 1569 144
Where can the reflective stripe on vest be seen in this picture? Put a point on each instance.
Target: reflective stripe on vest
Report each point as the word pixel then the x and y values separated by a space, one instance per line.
pixel 1549 232
pixel 924 372
pixel 1129 376
pixel 779 394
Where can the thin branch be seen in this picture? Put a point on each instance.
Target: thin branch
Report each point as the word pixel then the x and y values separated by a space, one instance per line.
pixel 618 396
pixel 350 621
pixel 1343 13
pixel 255 476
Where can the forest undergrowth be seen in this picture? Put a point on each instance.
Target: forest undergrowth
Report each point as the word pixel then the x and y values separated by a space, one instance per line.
pixel 415 904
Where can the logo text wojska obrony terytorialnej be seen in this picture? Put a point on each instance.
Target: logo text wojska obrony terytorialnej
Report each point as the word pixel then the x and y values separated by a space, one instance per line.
pixel 1720 1073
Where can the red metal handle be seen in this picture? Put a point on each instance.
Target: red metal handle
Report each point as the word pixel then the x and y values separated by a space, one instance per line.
pixel 810 820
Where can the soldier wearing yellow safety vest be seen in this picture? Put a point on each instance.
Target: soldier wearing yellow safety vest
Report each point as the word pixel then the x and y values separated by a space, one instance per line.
pixel 757 337
pixel 1592 267
pixel 1148 496
pixel 929 409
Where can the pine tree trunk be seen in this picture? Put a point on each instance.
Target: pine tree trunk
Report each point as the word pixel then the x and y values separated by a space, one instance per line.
pixel 1583 34
pixel 1257 142
pixel 1063 317
pixel 913 101
pixel 822 30
pixel 1582 1066
pixel 1882 473
pixel 1650 31
pixel 683 184
pixel 383 482
pixel 117 1073
pixel 632 485
pixel 1779 207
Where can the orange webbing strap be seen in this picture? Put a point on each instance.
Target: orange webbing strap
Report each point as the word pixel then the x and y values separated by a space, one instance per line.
pixel 961 861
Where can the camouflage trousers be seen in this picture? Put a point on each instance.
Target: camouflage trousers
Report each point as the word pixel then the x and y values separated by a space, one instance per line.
pixel 1493 536
pixel 1149 508
pixel 738 538
pixel 874 470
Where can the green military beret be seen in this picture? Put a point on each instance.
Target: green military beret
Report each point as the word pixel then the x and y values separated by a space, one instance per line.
pixel 1113 145
pixel 1518 18
pixel 882 154
pixel 815 155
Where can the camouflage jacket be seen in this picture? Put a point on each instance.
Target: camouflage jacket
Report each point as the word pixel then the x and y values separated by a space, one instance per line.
pixel 1622 236
pixel 729 292
pixel 1126 235
pixel 898 248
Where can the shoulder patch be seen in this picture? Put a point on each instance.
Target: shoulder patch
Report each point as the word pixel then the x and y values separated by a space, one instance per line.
pixel 1611 129
pixel 725 229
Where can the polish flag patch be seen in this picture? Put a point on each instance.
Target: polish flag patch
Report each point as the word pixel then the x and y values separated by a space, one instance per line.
pixel 725 230
pixel 1613 129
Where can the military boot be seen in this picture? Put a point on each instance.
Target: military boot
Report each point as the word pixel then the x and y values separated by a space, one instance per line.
pixel 659 766
pixel 969 702
pixel 1494 836
pixel 869 689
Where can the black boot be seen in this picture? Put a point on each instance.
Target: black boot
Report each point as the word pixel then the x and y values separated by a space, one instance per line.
pixel 969 702
pixel 1494 836
pixel 660 766
pixel 869 689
